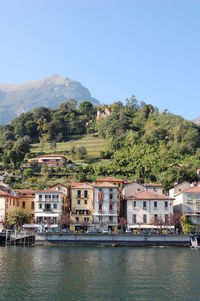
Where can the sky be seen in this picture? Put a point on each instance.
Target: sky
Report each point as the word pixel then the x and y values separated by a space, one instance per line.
pixel 115 48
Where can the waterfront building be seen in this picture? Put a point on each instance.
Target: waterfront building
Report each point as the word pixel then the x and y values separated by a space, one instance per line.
pixel 119 183
pixel 7 203
pixel 187 202
pixel 49 207
pixel 105 206
pixel 130 188
pixel 26 201
pixel 148 209
pixel 51 160
pixel 66 195
pixel 179 187
pixel 82 198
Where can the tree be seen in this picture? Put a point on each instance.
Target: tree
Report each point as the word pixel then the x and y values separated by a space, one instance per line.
pixel 81 152
pixel 17 217
pixel 186 226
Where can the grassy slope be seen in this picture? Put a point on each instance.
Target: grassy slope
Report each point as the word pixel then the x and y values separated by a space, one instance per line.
pixel 93 144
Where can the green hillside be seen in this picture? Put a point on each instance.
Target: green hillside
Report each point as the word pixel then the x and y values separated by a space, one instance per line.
pixel 94 145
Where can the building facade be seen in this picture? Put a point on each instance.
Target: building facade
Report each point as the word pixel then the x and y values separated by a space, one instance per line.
pixel 26 201
pixel 82 199
pixel 49 161
pixel 148 209
pixel 187 203
pixel 105 206
pixel 49 207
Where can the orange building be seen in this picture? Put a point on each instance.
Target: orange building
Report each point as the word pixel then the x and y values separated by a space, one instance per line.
pixel 26 201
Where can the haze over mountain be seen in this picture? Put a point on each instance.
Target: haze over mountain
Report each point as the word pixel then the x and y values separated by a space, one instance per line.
pixel 49 92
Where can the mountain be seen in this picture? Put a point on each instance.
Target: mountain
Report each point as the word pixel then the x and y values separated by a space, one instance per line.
pixel 49 92
pixel 197 120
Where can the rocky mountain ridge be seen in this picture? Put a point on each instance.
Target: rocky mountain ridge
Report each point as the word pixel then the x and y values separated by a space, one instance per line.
pixel 49 92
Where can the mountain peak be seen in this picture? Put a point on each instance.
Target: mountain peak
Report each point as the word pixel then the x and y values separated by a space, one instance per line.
pixel 48 92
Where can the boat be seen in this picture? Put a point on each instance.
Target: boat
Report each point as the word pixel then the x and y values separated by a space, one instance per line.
pixel 195 241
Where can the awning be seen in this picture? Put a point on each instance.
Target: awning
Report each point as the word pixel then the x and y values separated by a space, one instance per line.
pixel 29 226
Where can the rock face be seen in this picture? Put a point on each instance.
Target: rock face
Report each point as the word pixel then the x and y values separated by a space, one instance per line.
pixel 197 121
pixel 49 92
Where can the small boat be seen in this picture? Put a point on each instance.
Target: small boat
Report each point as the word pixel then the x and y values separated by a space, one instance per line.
pixel 195 241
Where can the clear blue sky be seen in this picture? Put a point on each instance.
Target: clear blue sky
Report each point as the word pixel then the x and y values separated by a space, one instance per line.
pixel 115 48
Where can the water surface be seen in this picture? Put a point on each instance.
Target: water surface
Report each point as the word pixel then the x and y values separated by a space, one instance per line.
pixel 95 274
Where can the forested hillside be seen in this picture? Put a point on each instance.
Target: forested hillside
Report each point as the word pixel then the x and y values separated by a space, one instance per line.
pixel 141 142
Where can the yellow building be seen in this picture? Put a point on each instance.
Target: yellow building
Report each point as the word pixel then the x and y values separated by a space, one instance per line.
pixel 82 200
pixel 26 201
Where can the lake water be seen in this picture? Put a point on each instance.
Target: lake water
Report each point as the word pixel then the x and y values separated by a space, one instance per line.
pixel 95 274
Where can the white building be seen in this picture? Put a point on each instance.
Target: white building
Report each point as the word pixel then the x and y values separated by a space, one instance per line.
pixel 105 206
pixel 188 202
pixel 154 187
pixel 178 188
pixel 49 206
pixel 149 208
pixel 131 188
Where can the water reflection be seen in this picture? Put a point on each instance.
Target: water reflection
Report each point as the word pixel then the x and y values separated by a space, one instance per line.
pixel 83 273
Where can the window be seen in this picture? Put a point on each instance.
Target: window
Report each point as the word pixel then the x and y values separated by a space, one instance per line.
pixel 47 207
pixel 54 206
pixel 134 204
pixel 77 219
pixel 166 205
pixel 13 202
pixel 110 207
pixel 32 205
pixel 144 218
pixel 100 218
pixel 86 219
pixel 78 202
pixel 40 206
pixel 111 190
pixel 79 193
pixel 40 197
pixel 155 205
pixel 85 193
pixel 111 219
pixel 166 218
pixel 100 207
pixel 85 202
pixel 155 218
pixel 17 203
pixel 100 189
pixel 144 205
pixel 23 205
pixel 111 196
pixel 134 218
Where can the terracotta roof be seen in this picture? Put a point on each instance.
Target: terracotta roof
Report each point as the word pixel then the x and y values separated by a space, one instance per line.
pixel 51 155
pixel 27 193
pixel 49 190
pixel 109 179
pixel 81 185
pixel 195 189
pixel 104 184
pixel 152 185
pixel 148 195
pixel 3 193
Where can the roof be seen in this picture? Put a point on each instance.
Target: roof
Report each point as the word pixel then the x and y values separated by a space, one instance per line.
pixel 104 184
pixel 3 193
pixel 51 155
pixel 27 191
pixel 149 195
pixel 59 184
pixel 194 189
pixel 49 190
pixel 109 179
pixel 81 185
pixel 152 185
